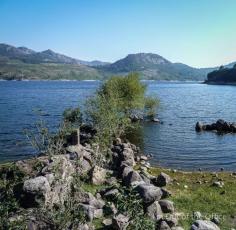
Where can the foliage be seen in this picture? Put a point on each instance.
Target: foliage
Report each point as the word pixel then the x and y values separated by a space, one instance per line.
pixel 151 104
pixel 128 91
pixel 129 202
pixel 10 177
pixel 72 117
pixel 45 142
pixel 109 111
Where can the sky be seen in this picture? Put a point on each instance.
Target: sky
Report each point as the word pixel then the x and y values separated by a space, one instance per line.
pixel 200 33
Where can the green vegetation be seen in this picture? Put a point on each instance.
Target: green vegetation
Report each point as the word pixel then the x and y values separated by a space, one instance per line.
pixel 193 191
pixel 222 76
pixel 116 101
pixel 18 70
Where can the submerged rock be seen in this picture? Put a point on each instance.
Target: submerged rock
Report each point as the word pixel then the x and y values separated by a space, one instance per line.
pixel 220 126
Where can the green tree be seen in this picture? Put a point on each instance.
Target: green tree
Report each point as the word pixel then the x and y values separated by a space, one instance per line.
pixel 116 100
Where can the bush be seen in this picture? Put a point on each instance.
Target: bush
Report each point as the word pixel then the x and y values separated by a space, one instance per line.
pixel 109 111
pixel 151 104
pixel 72 117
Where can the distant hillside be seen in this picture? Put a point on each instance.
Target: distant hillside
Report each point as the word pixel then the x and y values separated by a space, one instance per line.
pixel 153 66
pixel 23 63
pixel 222 76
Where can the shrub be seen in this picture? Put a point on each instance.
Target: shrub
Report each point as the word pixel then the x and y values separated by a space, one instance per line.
pixel 151 105
pixel 109 111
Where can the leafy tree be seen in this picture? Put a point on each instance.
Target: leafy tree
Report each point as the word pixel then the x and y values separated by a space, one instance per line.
pixel 109 111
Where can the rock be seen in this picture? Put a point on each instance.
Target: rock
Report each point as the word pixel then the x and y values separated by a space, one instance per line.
pixel 125 170
pixel 120 222
pixel 167 206
pixel 197 215
pixel 171 220
pixel 111 193
pixel 155 120
pixel 199 126
pixel 162 180
pixel 162 225
pixel 204 225
pixel 220 126
pixel 143 158
pixel 128 156
pixel 215 220
pixel 84 166
pixel 83 227
pixel 107 222
pixel 177 228
pixel 36 192
pixel 35 224
pixel 98 213
pixel 165 193
pixel 154 211
pixel 98 175
pixel 88 211
pixel 149 193
pixel 133 176
pixel 218 184
pixel 37 185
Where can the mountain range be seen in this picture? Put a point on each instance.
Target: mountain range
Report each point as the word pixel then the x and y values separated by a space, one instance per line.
pixel 17 63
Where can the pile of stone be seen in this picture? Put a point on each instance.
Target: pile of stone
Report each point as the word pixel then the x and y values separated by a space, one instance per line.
pixel 53 184
pixel 220 126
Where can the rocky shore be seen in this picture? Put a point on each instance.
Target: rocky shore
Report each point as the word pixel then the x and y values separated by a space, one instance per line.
pixel 124 192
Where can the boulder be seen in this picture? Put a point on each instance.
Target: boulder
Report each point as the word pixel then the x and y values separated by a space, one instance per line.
pixel 36 192
pixel 98 175
pixel 120 222
pixel 204 225
pixel 167 206
pixel 199 126
pixel 171 220
pixel 154 211
pixel 37 185
pixel 149 193
pixel 111 193
pixel 88 211
pixel 162 180
pixel 162 225
pixel 131 178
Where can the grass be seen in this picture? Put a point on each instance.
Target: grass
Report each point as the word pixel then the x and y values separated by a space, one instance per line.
pixel 193 191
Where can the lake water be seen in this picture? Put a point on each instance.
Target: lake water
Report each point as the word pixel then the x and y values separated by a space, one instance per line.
pixel 173 144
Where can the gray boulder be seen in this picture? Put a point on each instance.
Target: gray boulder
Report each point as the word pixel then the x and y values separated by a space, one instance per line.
pixel 162 180
pixel 204 225
pixel 167 206
pixel 149 193
pixel 120 222
pixel 133 176
pixel 37 185
pixel 162 225
pixel 98 175
pixel 154 211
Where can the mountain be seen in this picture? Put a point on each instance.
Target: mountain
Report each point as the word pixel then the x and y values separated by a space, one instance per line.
pixel 47 56
pixel 223 75
pixel 94 63
pixel 154 66
pixel 24 63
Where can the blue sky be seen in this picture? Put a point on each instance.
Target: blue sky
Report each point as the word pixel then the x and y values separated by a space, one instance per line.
pixel 199 33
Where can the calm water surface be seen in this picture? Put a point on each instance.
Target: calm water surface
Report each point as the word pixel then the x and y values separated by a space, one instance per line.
pixel 174 143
